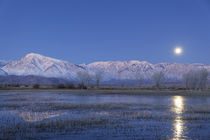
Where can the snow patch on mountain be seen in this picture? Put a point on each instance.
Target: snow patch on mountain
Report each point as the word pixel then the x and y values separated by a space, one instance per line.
pixel 3 63
pixel 3 73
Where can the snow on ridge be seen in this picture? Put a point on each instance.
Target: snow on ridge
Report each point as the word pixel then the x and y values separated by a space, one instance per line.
pixel 36 64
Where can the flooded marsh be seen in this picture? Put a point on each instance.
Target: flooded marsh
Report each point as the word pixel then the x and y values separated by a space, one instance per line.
pixel 69 114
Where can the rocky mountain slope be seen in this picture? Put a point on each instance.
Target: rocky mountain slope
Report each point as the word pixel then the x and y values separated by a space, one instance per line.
pixel 3 63
pixel 2 72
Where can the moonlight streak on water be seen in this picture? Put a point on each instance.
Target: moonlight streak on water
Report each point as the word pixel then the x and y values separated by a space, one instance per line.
pixel 178 107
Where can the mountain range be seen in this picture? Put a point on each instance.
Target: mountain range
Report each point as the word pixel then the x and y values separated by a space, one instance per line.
pixel 39 65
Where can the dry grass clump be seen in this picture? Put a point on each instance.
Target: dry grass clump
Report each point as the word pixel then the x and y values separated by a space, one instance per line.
pixel 25 130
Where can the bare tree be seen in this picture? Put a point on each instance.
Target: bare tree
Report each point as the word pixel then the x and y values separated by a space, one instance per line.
pixel 139 78
pixel 196 79
pixel 203 76
pixel 98 77
pixel 88 78
pixel 191 79
pixel 186 79
pixel 193 83
pixel 158 78
pixel 84 77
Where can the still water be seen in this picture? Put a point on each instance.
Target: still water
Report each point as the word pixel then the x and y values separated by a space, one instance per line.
pixel 79 115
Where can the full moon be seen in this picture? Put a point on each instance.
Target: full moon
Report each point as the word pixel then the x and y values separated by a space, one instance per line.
pixel 178 50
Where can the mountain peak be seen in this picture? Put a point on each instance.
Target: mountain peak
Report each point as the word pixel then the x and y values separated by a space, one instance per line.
pixel 39 57
pixel 33 55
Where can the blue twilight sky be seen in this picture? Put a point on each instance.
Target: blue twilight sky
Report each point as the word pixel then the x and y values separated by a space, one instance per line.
pixel 83 31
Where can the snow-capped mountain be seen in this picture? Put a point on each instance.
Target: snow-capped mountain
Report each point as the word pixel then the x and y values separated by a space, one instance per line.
pixel 36 64
pixel 39 65
pixel 130 70
pixel 122 70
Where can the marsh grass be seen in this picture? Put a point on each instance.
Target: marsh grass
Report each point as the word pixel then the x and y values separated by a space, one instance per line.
pixel 13 105
pixel 67 125
pixel 110 119
pixel 16 99
pixel 110 126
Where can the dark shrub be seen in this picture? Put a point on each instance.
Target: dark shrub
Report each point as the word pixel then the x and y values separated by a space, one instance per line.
pixel 6 85
pixel 61 86
pixel 92 86
pixel 82 86
pixel 16 85
pixel 70 86
pixel 36 86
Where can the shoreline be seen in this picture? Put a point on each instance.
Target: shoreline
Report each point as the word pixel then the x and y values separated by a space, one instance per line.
pixel 130 92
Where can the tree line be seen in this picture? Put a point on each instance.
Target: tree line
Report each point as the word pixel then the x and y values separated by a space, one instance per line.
pixel 193 80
